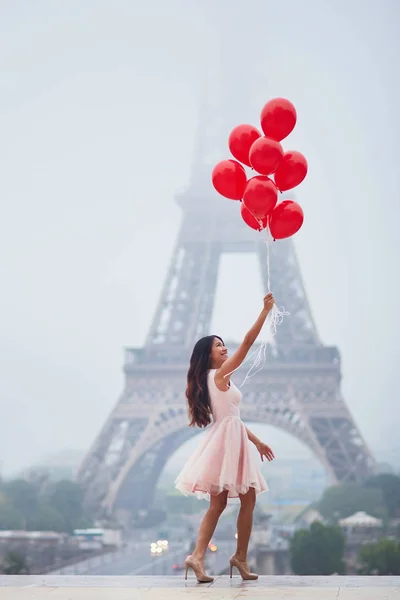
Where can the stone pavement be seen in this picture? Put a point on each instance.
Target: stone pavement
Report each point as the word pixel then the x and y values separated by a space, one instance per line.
pixel 47 587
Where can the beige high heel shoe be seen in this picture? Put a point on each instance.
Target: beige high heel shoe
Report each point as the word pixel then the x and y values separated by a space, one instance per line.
pixel 243 569
pixel 197 570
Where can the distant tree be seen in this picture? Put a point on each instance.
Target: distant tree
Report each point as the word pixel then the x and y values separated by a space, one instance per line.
pixel 318 550
pixel 22 495
pixel 67 498
pixel 46 518
pixel 152 518
pixel 179 504
pixel 260 517
pixel 155 517
pixel 87 523
pixel 382 467
pixel 341 501
pixel 380 558
pixel 389 485
pixel 10 517
pixel 159 496
pixel 3 498
pixel 14 563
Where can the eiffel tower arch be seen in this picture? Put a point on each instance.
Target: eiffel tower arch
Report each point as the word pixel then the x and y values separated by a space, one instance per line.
pixel 298 390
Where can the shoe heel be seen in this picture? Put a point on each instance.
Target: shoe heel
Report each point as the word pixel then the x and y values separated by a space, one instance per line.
pixel 187 568
pixel 230 570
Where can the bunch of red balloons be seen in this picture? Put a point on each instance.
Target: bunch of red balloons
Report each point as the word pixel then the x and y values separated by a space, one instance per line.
pixel 279 171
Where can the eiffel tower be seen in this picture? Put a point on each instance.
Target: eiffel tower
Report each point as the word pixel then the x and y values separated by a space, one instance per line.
pixel 298 389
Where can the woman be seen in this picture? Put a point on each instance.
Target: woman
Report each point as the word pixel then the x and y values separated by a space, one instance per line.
pixel 222 466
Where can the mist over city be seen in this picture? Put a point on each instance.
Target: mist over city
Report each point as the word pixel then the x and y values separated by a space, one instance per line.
pixel 118 254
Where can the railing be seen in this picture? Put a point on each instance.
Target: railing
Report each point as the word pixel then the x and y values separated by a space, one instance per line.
pixel 323 356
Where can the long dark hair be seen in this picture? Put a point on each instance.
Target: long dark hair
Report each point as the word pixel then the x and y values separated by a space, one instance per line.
pixel 197 387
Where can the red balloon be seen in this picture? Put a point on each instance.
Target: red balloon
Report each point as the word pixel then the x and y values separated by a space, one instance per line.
pixel 229 179
pixel 266 155
pixel 278 118
pixel 240 141
pixel 251 221
pixel 260 196
pixel 286 219
pixel 291 171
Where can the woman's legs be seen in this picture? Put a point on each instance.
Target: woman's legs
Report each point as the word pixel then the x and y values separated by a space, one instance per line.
pixel 245 523
pixel 208 524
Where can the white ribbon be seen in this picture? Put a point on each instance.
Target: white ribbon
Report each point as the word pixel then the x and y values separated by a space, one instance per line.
pixel 274 318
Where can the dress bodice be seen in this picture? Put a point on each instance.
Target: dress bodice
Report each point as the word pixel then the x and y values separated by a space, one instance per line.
pixel 223 404
pixel 222 461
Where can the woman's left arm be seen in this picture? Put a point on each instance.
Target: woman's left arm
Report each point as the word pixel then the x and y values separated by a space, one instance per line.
pixel 253 438
pixel 263 449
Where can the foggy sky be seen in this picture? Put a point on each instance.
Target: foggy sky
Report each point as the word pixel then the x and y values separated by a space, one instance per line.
pixel 99 103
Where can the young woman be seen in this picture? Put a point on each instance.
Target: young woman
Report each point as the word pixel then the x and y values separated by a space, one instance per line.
pixel 222 466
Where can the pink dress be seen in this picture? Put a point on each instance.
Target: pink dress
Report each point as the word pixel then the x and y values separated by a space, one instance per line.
pixel 222 460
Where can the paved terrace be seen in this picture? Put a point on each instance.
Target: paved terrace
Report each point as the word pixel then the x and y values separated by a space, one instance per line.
pixel 47 587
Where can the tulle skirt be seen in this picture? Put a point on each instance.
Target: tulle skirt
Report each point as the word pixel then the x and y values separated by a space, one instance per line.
pixel 222 461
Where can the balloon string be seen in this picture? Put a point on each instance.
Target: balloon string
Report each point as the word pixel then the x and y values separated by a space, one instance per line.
pixel 275 316
pixel 267 243
pixel 274 319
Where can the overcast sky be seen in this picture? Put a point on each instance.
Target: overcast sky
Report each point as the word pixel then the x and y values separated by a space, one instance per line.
pixel 99 103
